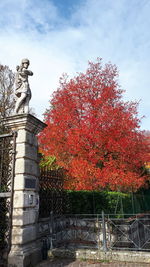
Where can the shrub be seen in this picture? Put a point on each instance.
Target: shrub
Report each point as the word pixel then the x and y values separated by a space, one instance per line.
pixel 94 202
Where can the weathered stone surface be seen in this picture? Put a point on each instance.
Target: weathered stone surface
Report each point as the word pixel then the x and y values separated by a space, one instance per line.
pixel 19 182
pixel 24 121
pixel 22 87
pixel 24 217
pixel 23 235
pixel 24 258
pixel 22 199
pixel 26 150
pixel 26 137
pixel 25 249
pixel 26 166
pixel 124 256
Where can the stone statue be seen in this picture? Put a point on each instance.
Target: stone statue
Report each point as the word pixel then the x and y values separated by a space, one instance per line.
pixel 22 88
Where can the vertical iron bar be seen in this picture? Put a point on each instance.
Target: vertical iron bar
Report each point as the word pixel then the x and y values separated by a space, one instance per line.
pixel 1 160
pixel 138 232
pixel 104 232
pixel 75 228
pixel 117 204
pixel 133 208
pixel 98 231
pixel 12 187
pixel 51 230
pixel 122 211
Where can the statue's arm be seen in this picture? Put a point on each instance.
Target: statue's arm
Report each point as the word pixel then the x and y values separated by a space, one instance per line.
pixel 27 72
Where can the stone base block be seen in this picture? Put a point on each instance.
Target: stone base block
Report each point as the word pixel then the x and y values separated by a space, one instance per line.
pixel 22 199
pixel 24 217
pixel 23 235
pixel 97 255
pixel 24 259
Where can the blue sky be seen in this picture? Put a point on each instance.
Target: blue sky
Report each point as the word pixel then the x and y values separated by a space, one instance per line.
pixel 62 35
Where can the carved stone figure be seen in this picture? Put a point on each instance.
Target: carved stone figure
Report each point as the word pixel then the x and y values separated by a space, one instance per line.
pixel 22 88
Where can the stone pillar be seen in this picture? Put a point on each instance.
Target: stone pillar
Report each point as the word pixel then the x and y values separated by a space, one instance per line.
pixel 24 251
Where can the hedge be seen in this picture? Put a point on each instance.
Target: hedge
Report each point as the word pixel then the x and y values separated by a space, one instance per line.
pixel 93 202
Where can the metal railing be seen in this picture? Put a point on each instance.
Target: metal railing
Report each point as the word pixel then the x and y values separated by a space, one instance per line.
pixel 7 168
pixel 101 231
pixel 51 192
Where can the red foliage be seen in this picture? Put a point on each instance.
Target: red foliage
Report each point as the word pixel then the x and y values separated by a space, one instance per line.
pixel 94 135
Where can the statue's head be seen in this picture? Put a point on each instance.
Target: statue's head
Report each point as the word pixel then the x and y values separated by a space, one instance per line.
pixel 25 62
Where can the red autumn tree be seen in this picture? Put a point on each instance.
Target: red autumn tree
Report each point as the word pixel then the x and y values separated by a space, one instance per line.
pixel 147 165
pixel 93 134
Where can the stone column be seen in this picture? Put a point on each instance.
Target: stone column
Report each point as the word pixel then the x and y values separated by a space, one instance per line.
pixel 24 251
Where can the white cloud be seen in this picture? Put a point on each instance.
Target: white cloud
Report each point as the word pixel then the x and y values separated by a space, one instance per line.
pixel 28 15
pixel 117 31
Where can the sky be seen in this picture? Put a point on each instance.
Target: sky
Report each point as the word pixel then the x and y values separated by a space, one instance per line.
pixel 61 36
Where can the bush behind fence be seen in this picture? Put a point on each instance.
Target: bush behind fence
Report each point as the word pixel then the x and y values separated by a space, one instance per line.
pixel 89 202
pixel 53 197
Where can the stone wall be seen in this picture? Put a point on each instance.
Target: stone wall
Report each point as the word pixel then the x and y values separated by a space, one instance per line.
pixel 80 251
pixel 124 256
pixel 85 232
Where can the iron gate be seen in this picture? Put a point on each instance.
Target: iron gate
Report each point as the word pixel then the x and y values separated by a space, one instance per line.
pixel 101 231
pixel 7 165
pixel 51 192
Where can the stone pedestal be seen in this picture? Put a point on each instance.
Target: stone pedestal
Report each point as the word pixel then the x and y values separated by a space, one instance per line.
pixel 24 251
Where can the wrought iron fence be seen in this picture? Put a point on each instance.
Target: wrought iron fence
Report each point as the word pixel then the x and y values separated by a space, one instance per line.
pixel 101 231
pixel 129 233
pixel 7 164
pixel 52 195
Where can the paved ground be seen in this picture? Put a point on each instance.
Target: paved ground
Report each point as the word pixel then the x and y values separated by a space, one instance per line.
pixel 77 263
